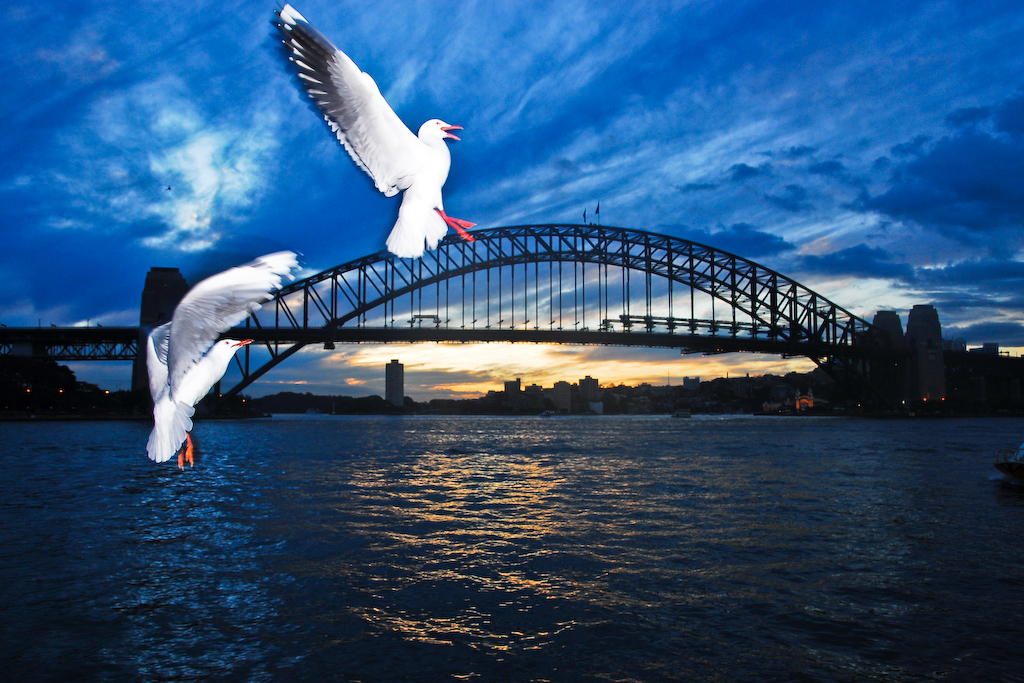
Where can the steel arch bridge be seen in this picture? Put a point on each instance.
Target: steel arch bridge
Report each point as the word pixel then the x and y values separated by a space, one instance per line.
pixel 568 284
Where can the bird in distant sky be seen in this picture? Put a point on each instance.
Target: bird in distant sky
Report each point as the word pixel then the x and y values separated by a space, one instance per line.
pixel 184 357
pixel 375 137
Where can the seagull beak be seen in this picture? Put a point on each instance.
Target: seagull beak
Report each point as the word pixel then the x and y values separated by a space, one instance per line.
pixel 244 342
pixel 448 134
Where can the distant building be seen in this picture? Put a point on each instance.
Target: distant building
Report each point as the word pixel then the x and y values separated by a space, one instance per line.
pixel 954 344
pixel 394 383
pixel 590 390
pixel 513 387
pixel 561 396
pixel 988 348
pixel 691 383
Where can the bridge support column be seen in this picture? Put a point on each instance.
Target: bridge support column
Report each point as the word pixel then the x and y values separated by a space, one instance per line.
pixel 927 367
pixel 164 288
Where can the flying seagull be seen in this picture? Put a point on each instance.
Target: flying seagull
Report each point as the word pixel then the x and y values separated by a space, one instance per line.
pixel 184 357
pixel 374 136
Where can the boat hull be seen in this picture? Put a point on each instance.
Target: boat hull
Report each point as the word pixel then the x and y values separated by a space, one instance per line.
pixel 1013 469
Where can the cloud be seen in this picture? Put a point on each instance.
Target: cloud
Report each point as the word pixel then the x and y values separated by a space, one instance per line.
pixel 833 169
pixel 1002 333
pixel 964 183
pixel 799 151
pixel 149 164
pixel 741 172
pixel 861 260
pixel 793 199
pixel 696 187
pixel 912 148
pixel 742 239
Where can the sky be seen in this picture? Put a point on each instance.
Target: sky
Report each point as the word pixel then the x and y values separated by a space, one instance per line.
pixel 872 151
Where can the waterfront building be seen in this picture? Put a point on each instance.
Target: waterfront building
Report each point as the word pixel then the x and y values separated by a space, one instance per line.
pixel 590 390
pixel 394 383
pixel 561 396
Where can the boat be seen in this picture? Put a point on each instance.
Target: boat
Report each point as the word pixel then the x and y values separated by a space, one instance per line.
pixel 1011 461
pixel 682 412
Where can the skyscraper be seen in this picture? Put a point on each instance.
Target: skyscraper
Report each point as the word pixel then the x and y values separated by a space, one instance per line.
pixel 394 383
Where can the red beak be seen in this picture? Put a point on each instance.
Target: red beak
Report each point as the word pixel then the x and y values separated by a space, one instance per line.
pixel 244 342
pixel 447 129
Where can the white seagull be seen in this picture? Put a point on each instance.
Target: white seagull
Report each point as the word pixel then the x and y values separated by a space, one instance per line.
pixel 375 137
pixel 184 357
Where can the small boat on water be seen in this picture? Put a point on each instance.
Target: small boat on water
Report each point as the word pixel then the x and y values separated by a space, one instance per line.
pixel 1011 461
pixel 682 412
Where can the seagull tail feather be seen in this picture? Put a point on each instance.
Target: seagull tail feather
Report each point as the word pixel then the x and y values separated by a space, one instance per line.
pixel 172 421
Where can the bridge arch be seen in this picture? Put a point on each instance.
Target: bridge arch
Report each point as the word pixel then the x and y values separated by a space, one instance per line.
pixel 555 283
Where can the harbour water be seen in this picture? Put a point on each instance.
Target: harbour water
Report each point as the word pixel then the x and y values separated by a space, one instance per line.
pixel 514 549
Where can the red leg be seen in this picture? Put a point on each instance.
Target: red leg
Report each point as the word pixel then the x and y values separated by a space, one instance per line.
pixel 458 224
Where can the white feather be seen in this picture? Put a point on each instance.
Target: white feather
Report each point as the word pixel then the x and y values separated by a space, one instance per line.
pixel 184 357
pixel 373 135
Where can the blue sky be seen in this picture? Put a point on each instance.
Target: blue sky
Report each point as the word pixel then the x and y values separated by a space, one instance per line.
pixel 873 151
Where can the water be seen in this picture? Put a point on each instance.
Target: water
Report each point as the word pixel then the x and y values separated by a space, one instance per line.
pixel 514 549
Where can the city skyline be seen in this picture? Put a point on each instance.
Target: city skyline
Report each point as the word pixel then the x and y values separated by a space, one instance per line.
pixel 869 152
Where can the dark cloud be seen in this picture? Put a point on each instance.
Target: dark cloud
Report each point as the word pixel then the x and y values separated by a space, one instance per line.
pixel 741 172
pixel 833 169
pixel 912 148
pixel 742 239
pixel 1003 333
pixel 696 187
pixel 981 284
pixel 980 273
pixel 969 180
pixel 793 199
pixel 862 261
pixel 794 152
pixel 1009 116
pixel 968 116
pixel 799 152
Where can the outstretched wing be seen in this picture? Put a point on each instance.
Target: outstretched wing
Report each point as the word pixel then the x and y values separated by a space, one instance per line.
pixel 217 304
pixel 156 359
pixel 352 105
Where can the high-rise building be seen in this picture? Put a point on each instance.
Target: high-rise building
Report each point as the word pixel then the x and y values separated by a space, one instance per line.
pixel 590 390
pixel 561 396
pixel 394 383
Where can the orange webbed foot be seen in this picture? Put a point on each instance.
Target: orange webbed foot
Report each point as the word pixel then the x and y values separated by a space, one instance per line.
pixel 185 454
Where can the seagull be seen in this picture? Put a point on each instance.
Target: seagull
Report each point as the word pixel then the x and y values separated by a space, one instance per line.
pixel 374 136
pixel 184 357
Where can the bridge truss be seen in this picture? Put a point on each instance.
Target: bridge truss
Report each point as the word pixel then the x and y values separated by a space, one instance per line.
pixel 567 284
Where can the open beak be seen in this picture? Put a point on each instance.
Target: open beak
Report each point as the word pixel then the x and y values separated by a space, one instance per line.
pixel 244 342
pixel 448 129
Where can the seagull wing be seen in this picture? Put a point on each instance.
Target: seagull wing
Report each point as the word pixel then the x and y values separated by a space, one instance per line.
pixel 352 105
pixel 156 359
pixel 217 304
